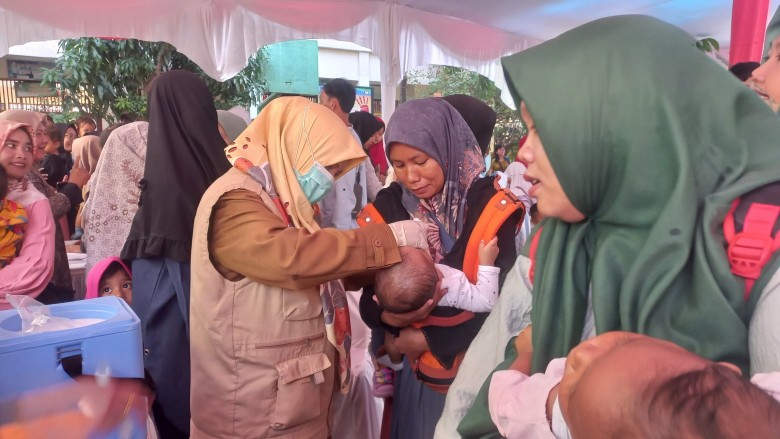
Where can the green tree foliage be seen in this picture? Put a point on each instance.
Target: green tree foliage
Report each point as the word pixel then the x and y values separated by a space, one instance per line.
pixel 710 45
pixel 106 78
pixel 447 80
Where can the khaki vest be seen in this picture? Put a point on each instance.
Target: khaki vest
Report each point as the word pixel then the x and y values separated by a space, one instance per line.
pixel 261 364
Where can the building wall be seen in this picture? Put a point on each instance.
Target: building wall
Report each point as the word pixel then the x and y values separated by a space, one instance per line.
pixel 338 59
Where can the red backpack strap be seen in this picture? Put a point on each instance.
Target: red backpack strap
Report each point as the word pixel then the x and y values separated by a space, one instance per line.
pixel 532 252
pixel 500 207
pixel 750 249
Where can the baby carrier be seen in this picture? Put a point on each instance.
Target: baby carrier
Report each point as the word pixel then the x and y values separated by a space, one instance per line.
pixel 500 207
pixel 751 232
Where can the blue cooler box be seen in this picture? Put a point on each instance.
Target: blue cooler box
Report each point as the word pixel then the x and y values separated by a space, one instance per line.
pixel 34 360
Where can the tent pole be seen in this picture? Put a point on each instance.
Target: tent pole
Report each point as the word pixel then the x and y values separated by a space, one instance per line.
pixel 748 23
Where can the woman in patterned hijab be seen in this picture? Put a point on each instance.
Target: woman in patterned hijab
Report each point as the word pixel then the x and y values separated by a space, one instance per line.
pixel 437 162
pixel 113 200
pixel 432 129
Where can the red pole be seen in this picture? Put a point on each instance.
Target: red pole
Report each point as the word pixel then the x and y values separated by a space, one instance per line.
pixel 748 24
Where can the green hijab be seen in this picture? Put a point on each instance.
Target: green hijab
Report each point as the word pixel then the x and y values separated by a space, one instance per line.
pixel 652 141
pixel 772 32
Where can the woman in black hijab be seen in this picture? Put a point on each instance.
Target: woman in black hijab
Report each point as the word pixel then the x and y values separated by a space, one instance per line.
pixel 478 116
pixel 366 126
pixel 184 156
pixel 68 132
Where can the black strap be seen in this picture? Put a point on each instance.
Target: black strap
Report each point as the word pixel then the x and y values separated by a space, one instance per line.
pixel 72 365
pixel 767 194
pixel 358 189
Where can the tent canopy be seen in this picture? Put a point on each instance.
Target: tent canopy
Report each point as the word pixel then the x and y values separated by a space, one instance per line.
pixel 220 35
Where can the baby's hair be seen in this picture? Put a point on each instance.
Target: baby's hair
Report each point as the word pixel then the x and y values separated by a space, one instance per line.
pixel 711 403
pixel 407 285
pixel 85 119
pixel 3 183
pixel 112 269
pixel 54 134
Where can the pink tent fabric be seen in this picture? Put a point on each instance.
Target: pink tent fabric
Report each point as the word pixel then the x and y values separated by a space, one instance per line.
pixel 220 35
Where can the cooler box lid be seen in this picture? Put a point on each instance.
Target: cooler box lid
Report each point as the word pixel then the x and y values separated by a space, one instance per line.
pixel 115 312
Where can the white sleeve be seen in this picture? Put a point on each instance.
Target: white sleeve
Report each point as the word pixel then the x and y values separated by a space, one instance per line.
pixel 372 182
pixel 517 402
pixel 464 295
pixel 336 208
pixel 764 330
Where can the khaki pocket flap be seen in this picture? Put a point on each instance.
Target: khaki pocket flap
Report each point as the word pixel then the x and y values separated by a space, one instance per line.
pixel 302 367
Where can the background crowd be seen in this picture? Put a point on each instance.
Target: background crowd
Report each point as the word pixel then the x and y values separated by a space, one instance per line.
pixel 252 253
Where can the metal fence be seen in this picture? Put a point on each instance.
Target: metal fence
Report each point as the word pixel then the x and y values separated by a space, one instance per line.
pixel 9 100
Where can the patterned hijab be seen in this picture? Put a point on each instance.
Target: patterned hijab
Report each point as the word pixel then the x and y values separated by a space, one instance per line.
pixel 113 199
pixel 86 152
pixel 654 158
pixel 284 135
pixel 434 127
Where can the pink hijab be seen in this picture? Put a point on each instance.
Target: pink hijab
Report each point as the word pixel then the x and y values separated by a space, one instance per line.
pixel 30 118
pixel 93 278
pixel 20 191
pixel 86 152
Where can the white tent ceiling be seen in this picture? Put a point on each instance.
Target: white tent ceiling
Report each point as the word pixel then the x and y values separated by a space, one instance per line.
pixel 221 34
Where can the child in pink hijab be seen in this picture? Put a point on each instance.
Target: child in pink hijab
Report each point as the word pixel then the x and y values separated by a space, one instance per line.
pixel 110 277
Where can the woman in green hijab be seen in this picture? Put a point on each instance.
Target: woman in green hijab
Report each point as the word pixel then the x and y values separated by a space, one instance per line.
pixel 641 145
pixel 766 78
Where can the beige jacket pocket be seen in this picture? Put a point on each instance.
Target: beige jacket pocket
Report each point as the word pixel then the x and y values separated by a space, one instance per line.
pixel 300 384
pixel 301 304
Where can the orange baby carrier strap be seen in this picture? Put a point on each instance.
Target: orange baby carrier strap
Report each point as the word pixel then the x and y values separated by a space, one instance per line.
pixel 750 249
pixel 369 215
pixel 498 209
pixel 428 368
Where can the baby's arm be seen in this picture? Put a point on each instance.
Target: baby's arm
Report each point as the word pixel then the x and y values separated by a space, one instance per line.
pixel 519 404
pixel 464 295
pixel 488 251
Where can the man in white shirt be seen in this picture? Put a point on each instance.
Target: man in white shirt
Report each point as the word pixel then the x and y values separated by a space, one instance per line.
pixel 356 415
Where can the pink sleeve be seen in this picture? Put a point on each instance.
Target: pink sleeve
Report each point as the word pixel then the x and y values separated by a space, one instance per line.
pixel 769 383
pixel 517 402
pixel 32 270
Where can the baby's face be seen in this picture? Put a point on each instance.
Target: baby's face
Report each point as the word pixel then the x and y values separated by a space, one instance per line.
pixel 118 284
pixel 608 373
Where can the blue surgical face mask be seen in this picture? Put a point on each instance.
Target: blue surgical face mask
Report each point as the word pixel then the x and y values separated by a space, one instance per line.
pixel 316 183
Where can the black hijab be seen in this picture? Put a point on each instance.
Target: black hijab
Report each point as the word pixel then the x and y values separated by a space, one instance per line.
pixel 478 116
pixel 185 155
pixel 65 155
pixel 365 125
